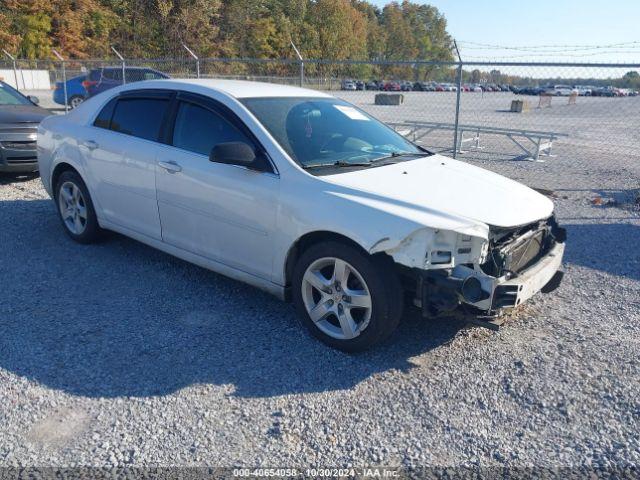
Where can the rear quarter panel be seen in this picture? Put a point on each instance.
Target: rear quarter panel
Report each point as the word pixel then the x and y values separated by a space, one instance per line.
pixel 57 143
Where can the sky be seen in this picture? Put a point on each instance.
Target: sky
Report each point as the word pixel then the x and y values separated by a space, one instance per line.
pixel 520 23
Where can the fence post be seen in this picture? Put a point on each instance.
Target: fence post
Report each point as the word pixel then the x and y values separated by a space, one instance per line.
pixel 196 59
pixel 301 63
pixel 124 65
pixel 15 70
pixel 64 79
pixel 459 85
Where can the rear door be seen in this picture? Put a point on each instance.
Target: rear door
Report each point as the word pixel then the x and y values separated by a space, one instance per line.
pixel 122 149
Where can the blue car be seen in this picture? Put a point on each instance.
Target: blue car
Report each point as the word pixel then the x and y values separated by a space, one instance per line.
pixel 101 79
pixel 76 93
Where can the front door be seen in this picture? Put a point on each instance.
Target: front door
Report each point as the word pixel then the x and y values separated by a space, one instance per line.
pixel 223 212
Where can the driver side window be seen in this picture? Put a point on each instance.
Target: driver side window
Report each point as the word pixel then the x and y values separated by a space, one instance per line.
pixel 199 129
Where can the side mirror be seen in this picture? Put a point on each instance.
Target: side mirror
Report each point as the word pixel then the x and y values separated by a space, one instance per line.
pixel 233 153
pixel 33 99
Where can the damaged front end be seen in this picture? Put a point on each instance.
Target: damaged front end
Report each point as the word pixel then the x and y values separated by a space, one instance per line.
pixel 489 274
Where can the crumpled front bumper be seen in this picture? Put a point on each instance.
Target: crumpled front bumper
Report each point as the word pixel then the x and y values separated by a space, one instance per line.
pixel 546 272
pixel 446 290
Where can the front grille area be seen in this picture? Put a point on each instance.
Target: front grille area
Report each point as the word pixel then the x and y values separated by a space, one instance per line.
pixel 513 251
pixel 19 160
pixel 19 145
pixel 504 296
pixel 523 255
pixel 20 129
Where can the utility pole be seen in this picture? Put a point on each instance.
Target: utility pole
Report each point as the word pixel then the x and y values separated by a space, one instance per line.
pixel 15 70
pixel 64 79
pixel 301 63
pixel 196 59
pixel 457 121
pixel 124 75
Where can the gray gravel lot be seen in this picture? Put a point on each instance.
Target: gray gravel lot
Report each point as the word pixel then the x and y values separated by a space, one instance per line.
pixel 117 354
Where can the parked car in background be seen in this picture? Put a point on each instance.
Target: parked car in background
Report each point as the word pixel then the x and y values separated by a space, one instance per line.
pixel 603 92
pixel 19 120
pixel 392 87
pixel 76 93
pixel 476 88
pixel 561 90
pixel 424 87
pixel 531 90
pixel 360 85
pixel 372 85
pixel 583 90
pixel 406 86
pixel 303 195
pixel 104 78
pixel 349 85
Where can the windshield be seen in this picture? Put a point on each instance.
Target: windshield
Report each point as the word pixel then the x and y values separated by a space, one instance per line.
pixel 328 131
pixel 9 96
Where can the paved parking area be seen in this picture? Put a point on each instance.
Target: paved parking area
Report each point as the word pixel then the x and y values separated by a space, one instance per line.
pixel 116 354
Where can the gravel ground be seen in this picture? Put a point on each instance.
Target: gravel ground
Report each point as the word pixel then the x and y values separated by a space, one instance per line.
pixel 117 354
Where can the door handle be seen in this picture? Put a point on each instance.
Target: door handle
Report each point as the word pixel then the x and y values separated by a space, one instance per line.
pixel 90 144
pixel 171 167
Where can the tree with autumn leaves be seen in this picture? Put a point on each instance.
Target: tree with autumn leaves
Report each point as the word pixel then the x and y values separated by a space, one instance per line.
pixel 327 29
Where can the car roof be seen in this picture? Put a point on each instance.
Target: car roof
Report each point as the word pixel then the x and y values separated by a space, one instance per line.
pixel 118 68
pixel 233 88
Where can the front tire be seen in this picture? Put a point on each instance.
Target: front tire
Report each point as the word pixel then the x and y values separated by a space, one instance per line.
pixel 75 208
pixel 347 299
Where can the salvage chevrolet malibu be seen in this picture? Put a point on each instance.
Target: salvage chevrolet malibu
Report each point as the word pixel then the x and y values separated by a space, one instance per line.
pixel 303 195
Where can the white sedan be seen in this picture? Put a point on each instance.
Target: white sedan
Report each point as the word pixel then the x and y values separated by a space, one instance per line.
pixel 562 90
pixel 300 194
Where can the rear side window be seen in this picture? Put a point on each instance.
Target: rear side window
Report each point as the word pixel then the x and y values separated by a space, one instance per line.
pixel 103 120
pixel 198 129
pixel 151 75
pixel 95 75
pixel 139 117
pixel 112 74
pixel 134 75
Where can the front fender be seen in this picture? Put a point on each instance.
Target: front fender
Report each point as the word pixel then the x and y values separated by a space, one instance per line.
pixel 406 234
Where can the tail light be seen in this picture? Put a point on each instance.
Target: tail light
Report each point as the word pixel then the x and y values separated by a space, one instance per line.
pixel 89 83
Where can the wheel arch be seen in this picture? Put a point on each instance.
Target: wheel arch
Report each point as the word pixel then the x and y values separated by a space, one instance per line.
pixel 58 170
pixel 308 240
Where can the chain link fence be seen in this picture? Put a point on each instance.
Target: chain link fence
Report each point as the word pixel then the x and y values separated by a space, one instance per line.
pixel 565 127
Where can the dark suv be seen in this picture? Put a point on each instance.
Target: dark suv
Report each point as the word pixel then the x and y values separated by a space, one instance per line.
pixel 101 79
pixel 19 119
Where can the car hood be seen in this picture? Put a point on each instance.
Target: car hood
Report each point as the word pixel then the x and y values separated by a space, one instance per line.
pixel 454 188
pixel 22 113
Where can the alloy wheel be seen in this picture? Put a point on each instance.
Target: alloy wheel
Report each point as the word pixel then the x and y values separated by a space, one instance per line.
pixel 336 298
pixel 73 208
pixel 75 101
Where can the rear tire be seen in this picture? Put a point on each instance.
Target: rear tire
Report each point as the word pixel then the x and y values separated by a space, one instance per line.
pixel 75 208
pixel 347 299
pixel 75 101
